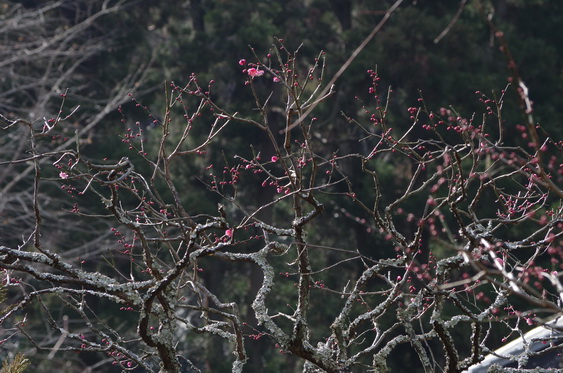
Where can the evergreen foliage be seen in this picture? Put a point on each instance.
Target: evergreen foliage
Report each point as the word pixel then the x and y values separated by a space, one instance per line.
pixel 112 88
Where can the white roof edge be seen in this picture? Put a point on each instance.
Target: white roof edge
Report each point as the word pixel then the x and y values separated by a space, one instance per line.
pixel 516 346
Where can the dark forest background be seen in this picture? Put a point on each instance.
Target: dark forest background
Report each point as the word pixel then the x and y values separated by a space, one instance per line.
pixel 441 51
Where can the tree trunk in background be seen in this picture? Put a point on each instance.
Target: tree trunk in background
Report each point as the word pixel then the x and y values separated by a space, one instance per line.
pixel 197 13
pixel 343 11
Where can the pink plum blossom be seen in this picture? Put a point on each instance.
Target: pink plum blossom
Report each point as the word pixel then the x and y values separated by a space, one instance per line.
pixel 242 62
pixel 63 175
pixel 252 72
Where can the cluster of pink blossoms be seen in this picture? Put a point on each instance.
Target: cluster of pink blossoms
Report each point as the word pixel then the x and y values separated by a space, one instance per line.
pixel 255 72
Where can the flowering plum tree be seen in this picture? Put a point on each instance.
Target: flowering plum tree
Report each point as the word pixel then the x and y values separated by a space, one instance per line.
pixel 462 231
